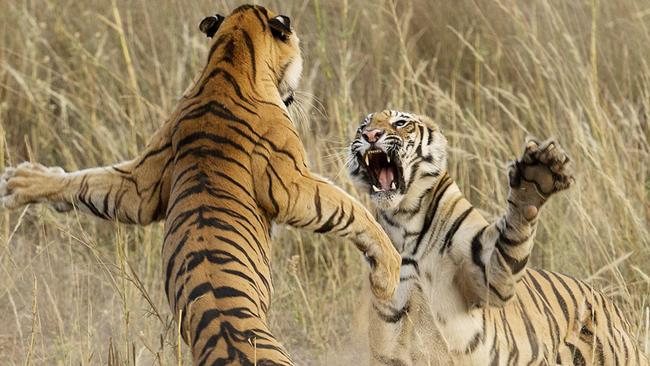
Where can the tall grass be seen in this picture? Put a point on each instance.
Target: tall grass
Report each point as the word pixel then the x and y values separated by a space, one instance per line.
pixel 84 83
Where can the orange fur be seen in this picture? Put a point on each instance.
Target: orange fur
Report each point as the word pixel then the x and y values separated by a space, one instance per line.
pixel 224 166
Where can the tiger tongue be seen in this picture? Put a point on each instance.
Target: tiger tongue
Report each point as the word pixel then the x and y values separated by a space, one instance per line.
pixel 385 178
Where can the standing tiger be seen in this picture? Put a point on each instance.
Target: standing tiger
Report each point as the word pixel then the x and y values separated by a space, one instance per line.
pixel 226 164
pixel 465 295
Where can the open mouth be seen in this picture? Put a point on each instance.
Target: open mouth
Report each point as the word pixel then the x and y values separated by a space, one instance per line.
pixel 384 170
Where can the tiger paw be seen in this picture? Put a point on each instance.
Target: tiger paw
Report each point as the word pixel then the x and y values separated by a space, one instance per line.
pixel 31 183
pixel 384 275
pixel 540 172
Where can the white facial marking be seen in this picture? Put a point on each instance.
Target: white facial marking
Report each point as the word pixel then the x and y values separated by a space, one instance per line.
pixel 401 193
pixel 293 73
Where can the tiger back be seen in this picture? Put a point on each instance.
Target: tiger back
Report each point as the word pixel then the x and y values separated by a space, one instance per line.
pixel 239 165
pixel 224 166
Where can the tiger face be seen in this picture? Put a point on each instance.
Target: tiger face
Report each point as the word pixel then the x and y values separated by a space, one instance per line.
pixel 268 37
pixel 396 154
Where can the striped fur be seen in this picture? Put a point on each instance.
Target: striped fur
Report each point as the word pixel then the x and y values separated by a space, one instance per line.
pixel 225 166
pixel 466 296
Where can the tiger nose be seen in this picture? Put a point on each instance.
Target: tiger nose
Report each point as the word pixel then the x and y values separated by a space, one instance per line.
pixel 372 135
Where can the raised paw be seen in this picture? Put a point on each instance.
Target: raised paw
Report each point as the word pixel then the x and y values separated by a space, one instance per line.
pixel 542 167
pixel 30 183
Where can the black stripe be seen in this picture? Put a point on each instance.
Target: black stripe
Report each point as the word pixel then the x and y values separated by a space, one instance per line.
pixel 252 263
pixel 513 352
pixel 548 312
pixel 389 220
pixel 259 17
pixel 411 262
pixel 212 314
pixel 477 249
pixel 201 221
pixel 276 206
pixel 205 152
pixel 454 228
pixel 202 135
pixel 235 102
pixel 105 203
pixel 473 343
pixel 235 85
pixel 350 220
pixel 431 210
pixel 251 51
pixel 178 177
pixel 530 331
pixel 233 181
pixel 567 289
pixel 216 45
pixel 121 171
pixel 222 292
pixel 396 316
pixel 515 265
pixel 558 296
pixel 417 207
pixel 172 260
pixel 152 153
pixel 578 359
pixel 330 223
pixel 216 109
pixel 503 239
pixel 228 54
pixel 203 83
pixel 502 298
pixel 530 292
pixel 243 134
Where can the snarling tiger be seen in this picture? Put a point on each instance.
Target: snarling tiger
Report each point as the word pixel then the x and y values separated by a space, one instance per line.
pixel 466 296
pixel 225 166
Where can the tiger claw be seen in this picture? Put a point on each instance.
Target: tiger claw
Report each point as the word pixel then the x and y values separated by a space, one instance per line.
pixel 544 166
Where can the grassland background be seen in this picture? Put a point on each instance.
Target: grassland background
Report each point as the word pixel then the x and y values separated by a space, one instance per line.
pixel 84 83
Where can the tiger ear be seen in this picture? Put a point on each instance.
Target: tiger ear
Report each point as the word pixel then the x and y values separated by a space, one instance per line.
pixel 280 27
pixel 211 24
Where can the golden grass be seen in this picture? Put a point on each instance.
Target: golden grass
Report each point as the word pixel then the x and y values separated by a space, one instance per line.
pixel 84 83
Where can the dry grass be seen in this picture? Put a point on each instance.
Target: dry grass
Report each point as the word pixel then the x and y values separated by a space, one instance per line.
pixel 84 83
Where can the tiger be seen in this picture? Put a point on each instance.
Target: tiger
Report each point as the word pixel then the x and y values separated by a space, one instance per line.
pixel 466 295
pixel 226 165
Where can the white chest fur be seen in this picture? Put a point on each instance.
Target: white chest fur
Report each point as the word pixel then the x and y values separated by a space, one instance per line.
pixel 436 309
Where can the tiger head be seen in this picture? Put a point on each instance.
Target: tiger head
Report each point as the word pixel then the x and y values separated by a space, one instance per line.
pixel 396 156
pixel 270 42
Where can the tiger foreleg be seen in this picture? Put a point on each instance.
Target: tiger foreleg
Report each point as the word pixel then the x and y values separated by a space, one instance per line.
pixel 540 172
pixel 324 208
pixel 112 193
pixel 134 192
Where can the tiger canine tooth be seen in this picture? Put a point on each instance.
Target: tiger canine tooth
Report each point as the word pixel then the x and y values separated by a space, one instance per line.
pixel 393 186
pixel 388 158
pixel 367 160
pixel 375 188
